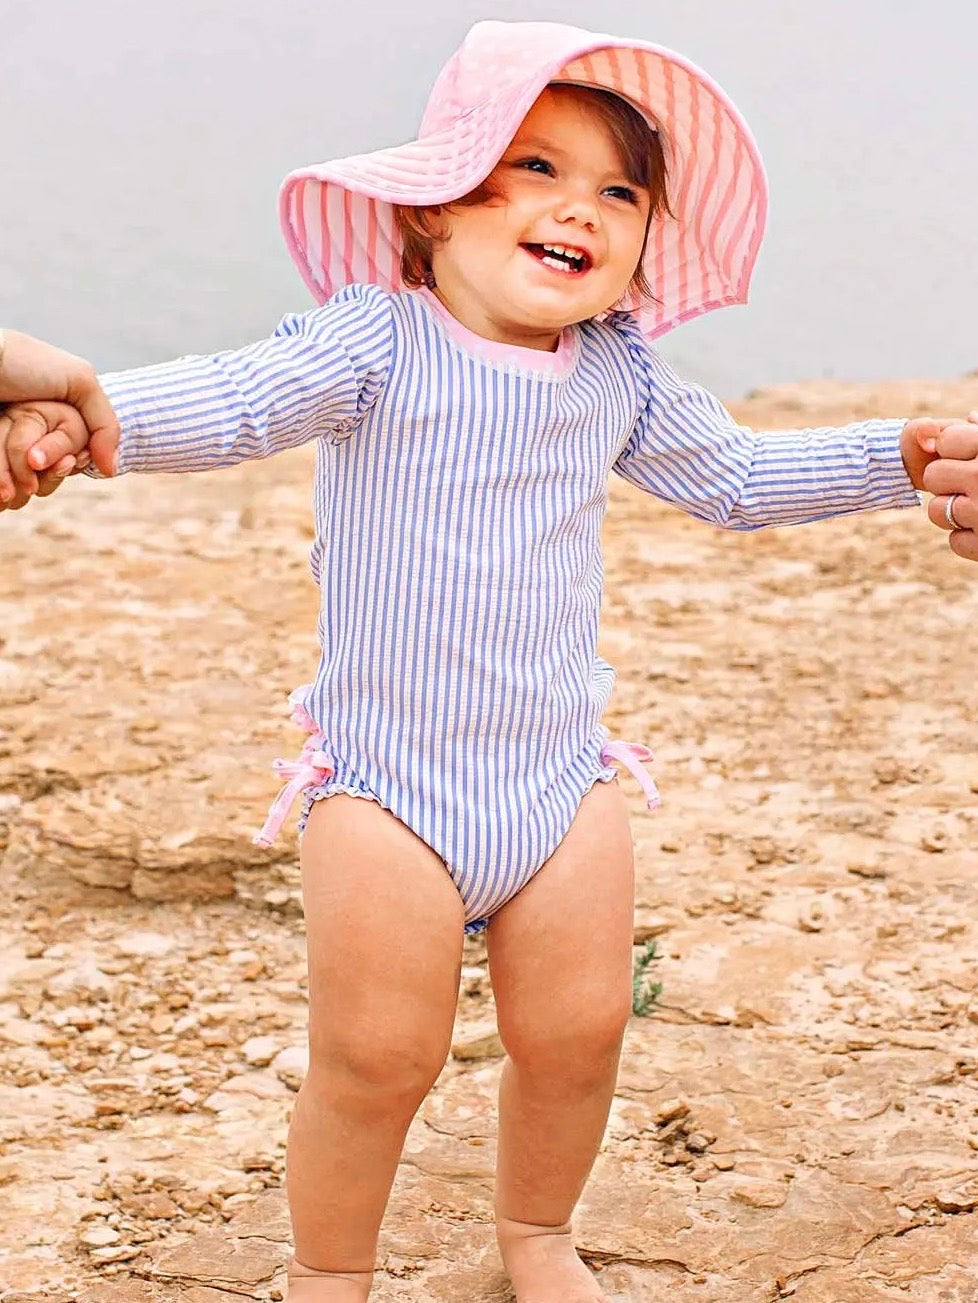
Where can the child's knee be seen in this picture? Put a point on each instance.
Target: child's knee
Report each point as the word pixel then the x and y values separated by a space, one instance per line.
pixel 575 1045
pixel 380 1067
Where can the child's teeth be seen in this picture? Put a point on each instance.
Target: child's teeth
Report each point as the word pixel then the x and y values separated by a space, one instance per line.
pixel 555 263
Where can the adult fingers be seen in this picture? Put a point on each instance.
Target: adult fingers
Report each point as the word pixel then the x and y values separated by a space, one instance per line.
pixel 950 475
pixel 928 430
pixel 86 394
pixel 964 543
pixel 964 511
pixel 958 440
pixel 104 447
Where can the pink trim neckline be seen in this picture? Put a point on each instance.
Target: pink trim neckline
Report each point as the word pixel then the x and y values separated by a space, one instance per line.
pixel 559 363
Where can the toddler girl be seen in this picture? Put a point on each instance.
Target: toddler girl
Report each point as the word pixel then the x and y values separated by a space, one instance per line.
pixel 481 363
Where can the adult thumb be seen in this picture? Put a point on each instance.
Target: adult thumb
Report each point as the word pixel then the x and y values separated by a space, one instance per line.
pixel 85 393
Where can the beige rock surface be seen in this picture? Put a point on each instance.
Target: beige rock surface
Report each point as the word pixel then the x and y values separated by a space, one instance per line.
pixel 799 1116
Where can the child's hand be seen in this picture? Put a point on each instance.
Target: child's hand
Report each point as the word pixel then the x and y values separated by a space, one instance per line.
pixel 40 445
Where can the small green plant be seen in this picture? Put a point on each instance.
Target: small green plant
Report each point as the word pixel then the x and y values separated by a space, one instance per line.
pixel 645 992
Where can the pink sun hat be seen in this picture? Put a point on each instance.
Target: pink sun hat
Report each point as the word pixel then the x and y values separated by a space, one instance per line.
pixel 338 217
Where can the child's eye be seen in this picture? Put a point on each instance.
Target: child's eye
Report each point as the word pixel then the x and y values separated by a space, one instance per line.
pixel 625 192
pixel 536 164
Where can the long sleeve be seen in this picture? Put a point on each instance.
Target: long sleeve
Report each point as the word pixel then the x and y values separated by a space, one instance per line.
pixel 315 376
pixel 686 449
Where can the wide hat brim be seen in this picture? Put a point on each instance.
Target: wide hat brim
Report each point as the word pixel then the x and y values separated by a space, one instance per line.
pixel 338 216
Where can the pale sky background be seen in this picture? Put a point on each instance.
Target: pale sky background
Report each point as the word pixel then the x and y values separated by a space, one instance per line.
pixel 142 147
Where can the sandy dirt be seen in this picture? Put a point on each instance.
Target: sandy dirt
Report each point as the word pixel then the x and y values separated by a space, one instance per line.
pixel 798 1118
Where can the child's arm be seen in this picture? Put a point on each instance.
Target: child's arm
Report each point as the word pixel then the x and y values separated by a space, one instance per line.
pixel 315 376
pixel 686 448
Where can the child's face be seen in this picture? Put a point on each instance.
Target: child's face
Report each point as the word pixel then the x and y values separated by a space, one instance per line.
pixel 560 183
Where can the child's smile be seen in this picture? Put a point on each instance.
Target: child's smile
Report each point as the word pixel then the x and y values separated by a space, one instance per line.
pixel 560 238
pixel 561 257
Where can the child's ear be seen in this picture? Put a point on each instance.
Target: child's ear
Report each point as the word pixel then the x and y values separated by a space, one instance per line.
pixel 436 221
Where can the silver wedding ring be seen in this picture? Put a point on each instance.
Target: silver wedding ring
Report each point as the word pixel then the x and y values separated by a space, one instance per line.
pixel 949 512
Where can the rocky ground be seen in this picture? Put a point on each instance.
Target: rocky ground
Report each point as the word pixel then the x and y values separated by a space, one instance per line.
pixel 798 1117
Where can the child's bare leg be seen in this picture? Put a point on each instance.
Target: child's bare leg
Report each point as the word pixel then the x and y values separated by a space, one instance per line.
pixel 560 954
pixel 384 926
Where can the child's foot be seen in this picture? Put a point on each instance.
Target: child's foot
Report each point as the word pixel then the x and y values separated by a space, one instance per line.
pixel 309 1286
pixel 543 1265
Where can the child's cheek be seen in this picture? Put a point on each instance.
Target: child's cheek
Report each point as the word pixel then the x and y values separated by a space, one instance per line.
pixel 501 188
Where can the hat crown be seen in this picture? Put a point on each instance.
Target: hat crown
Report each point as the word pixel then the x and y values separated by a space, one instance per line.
pixel 495 58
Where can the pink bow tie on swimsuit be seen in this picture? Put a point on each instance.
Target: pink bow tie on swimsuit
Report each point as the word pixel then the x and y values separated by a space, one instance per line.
pixel 313 767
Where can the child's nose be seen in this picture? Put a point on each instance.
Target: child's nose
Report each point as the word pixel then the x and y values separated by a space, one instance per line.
pixel 577 206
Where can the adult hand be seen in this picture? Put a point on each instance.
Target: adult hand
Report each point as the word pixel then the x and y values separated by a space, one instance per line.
pixel 31 369
pixel 953 479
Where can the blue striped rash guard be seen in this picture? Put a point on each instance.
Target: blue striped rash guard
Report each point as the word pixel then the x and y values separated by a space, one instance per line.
pixel 459 494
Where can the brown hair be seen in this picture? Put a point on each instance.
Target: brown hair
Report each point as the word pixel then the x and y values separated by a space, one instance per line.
pixel 642 159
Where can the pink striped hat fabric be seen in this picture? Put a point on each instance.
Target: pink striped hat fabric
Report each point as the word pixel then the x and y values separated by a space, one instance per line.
pixel 338 217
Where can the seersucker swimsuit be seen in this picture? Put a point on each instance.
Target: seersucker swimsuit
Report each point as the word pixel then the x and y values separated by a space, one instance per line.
pixel 460 489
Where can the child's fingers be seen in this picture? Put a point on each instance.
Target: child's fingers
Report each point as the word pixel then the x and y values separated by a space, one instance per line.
pixel 11 497
pixel 18 432
pixel 64 432
pixel 40 435
pixel 47 481
pixel 6 480
pixel 33 444
pixel 50 448
pixel 55 476
pixel 926 432
pixel 25 429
